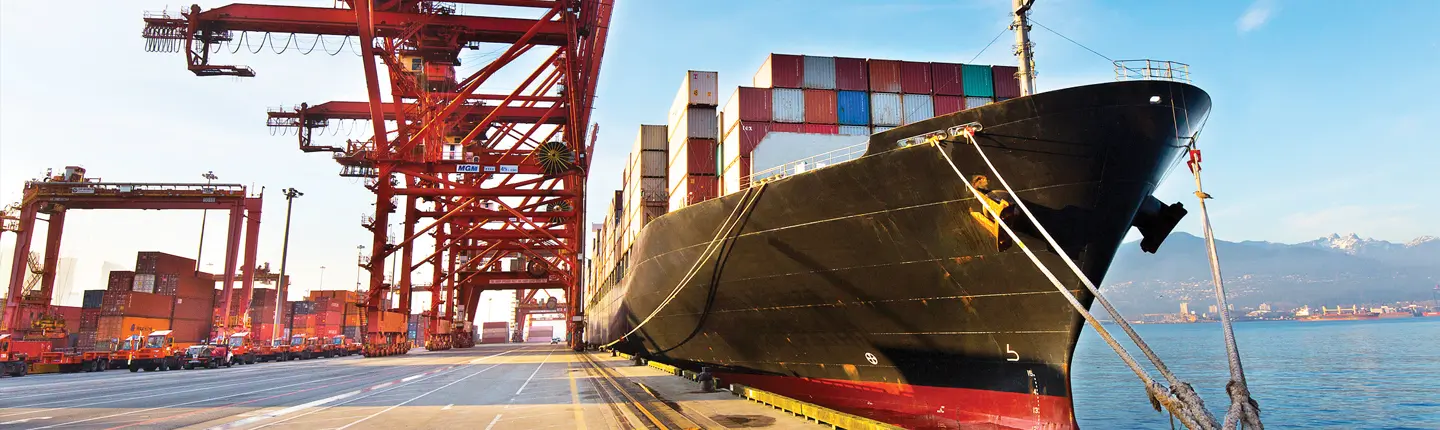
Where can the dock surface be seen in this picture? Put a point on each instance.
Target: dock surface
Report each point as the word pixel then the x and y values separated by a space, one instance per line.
pixel 491 387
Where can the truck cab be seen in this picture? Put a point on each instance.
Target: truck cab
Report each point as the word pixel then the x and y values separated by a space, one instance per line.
pixel 157 351
pixel 300 348
pixel 12 363
pixel 207 356
pixel 242 348
pixel 344 346
pixel 318 347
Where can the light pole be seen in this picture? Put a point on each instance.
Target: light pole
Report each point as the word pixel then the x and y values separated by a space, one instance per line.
pixel 290 195
pixel 209 177
pixel 359 256
pixel 322 277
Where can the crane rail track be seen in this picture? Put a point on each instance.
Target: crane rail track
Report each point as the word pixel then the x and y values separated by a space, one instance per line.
pixel 654 411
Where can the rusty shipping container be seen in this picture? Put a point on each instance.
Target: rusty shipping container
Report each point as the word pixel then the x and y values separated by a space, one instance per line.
pixel 885 109
pixel 948 104
pixel 851 74
pixel 947 80
pixel 781 71
pixel 787 105
pixel 820 106
pixel 885 76
pixel 819 73
pixel 915 78
pixel 1007 84
pixel 653 190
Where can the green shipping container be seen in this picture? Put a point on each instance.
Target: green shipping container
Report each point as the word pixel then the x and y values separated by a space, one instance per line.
pixel 978 81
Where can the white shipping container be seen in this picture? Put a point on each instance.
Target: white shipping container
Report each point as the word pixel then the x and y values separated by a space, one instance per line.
pixel 974 102
pixel 788 105
pixel 730 179
pixel 879 129
pixel 651 137
pixel 917 107
pixel 762 77
pixel 854 130
pixel 652 190
pixel 697 89
pixel 819 73
pixel 654 164
pixel 885 109
pixel 697 122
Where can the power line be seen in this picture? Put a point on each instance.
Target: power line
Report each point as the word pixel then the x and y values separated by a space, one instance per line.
pixel 1087 48
pixel 987 46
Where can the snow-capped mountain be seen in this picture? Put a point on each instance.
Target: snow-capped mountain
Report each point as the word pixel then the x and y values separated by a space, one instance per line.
pixel 1422 251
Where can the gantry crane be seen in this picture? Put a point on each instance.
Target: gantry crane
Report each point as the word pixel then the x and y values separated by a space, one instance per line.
pixel 56 195
pixel 500 175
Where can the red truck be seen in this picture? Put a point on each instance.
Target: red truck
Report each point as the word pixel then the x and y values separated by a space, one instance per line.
pixel 344 346
pixel 241 348
pixel 157 351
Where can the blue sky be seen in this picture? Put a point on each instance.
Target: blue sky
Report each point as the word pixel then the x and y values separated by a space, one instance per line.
pixel 1317 124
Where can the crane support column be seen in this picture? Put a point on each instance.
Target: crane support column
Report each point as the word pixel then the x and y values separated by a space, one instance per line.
pixel 55 229
pixel 232 253
pixel 19 266
pixel 252 246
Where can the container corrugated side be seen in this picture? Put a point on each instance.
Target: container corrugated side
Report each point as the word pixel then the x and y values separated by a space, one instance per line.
pixel 885 109
pixel 854 130
pixel 918 107
pixel 947 79
pixel 853 108
pixel 821 129
pixel 851 75
pixel 781 71
pixel 652 137
pixel 787 105
pixel 974 102
pixel 882 129
pixel 693 189
pixel 819 73
pixel 653 164
pixel 698 122
pixel 747 104
pixel 694 157
pixel 978 81
pixel 915 78
pixel 742 140
pixel 948 104
pixel 736 176
pixel 653 190
pixel 884 76
pixel 699 88
pixel 820 106
pixel 1007 84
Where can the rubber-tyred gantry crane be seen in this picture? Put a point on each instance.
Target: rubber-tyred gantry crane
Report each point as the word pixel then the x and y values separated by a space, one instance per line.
pixel 493 176
pixel 57 195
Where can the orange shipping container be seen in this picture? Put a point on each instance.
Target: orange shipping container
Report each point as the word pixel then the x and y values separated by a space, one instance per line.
pixel 193 308
pixel 120 327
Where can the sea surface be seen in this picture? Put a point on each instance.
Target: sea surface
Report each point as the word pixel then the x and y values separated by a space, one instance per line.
pixel 1379 374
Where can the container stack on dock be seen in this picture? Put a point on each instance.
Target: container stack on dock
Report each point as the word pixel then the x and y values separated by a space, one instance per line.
pixel 694 135
pixel 646 193
pixel 495 332
pixel 163 293
pixel 844 96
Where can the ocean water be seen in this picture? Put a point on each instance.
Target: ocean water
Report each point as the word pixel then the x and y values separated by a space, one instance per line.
pixel 1382 374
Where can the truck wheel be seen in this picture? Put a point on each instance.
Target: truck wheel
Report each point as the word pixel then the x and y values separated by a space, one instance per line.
pixel 212 364
pixel 134 368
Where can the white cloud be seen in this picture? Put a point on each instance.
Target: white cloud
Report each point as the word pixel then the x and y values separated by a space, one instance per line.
pixel 1255 16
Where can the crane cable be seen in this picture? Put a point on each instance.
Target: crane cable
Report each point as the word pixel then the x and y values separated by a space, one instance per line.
pixel 1180 398
pixel 747 201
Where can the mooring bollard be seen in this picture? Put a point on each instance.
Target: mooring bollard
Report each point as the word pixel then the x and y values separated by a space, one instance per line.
pixel 707 380
pixel 638 361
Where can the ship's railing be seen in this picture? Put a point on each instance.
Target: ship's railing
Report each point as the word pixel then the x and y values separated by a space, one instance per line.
pixel 810 163
pixel 1131 70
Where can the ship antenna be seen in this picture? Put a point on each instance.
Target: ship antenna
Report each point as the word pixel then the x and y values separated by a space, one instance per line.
pixel 1024 50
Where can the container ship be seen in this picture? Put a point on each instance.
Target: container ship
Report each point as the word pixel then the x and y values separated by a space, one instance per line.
pixel 875 284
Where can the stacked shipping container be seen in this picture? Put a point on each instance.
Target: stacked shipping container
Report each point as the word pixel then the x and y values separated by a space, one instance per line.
pixel 694 136
pixel 646 193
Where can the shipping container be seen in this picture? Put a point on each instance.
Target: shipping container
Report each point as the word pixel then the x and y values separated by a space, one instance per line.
pixel 92 299
pixel 695 156
pixel 918 107
pixel 850 75
pixel 653 164
pixel 150 262
pixel 781 71
pixel 540 334
pixel 915 78
pixel 820 106
pixel 89 319
pixel 978 82
pixel 785 128
pixel 947 79
pixel 853 108
pixel 653 190
pixel 819 73
pixel 882 129
pixel 191 330
pixel 495 332
pixel 854 130
pixel 113 327
pixel 820 129
pixel 884 76
pixel 121 281
pixel 653 137
pixel 130 303
pixel 736 176
pixel 693 189
pixel 144 283
pixel 885 109
pixel 948 104
pixel 787 105
pixel 697 122
pixel 747 104
pixel 192 308
pixel 698 88
pixel 1007 83
pixel 974 102
pixel 742 140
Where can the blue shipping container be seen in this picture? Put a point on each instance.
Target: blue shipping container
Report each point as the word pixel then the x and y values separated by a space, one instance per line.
pixel 854 108
pixel 978 82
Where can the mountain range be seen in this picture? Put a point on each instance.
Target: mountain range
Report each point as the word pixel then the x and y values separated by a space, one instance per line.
pixel 1332 270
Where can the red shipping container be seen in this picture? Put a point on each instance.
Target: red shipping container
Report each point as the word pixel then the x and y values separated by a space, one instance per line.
pixel 191 330
pixel 948 104
pixel 750 134
pixel 820 106
pixel 1007 85
pixel 884 76
pixel 780 127
pixel 121 281
pixel 89 319
pixel 850 74
pixel 754 104
pixel 781 71
pixel 821 128
pixel 193 308
pixel 700 188
pixel 946 79
pixel 915 78
pixel 151 262
pixel 700 156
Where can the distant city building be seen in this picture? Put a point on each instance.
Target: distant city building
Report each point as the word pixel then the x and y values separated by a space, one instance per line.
pixel 1185 308
pixel 1265 307
pixel 1214 309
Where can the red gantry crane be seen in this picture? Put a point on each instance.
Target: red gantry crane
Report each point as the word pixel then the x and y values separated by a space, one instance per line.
pixel 57 195
pixel 491 174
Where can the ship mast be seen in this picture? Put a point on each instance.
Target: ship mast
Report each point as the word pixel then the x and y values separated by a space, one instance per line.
pixel 1023 47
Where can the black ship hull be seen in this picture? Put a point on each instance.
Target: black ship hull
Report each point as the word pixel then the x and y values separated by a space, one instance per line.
pixel 869 287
